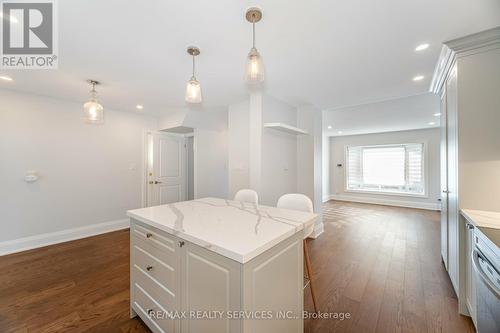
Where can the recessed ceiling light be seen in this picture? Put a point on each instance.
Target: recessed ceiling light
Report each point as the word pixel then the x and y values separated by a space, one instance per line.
pixel 139 107
pixel 432 123
pixel 329 127
pixel 437 114
pixel 6 78
pixel 421 47
pixel 418 78
pixel 340 132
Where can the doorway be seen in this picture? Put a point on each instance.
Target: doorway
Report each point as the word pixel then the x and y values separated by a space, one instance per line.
pixel 167 168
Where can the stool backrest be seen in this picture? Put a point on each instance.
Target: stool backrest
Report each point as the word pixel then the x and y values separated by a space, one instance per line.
pixel 247 195
pixel 297 201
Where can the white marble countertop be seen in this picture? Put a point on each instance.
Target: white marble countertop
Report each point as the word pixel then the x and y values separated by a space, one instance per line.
pixel 237 230
pixel 487 222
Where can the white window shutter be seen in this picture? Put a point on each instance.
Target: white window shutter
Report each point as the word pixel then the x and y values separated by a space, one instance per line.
pixel 386 168
pixel 354 176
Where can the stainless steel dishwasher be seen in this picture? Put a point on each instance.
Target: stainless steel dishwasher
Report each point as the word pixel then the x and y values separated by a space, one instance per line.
pixel 486 265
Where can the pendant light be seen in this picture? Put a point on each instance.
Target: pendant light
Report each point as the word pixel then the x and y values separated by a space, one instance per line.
pixel 94 112
pixel 255 66
pixel 193 88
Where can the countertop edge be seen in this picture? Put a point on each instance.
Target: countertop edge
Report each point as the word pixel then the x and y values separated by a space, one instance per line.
pixel 488 233
pixel 242 259
pixel 466 213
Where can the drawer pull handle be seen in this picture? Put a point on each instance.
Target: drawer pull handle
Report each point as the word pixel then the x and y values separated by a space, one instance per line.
pixel 149 235
pixel 181 243
pixel 149 268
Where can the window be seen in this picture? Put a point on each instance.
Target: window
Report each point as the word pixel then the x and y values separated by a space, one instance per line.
pixel 388 169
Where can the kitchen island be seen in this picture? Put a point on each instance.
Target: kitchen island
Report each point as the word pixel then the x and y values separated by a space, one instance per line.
pixel 215 265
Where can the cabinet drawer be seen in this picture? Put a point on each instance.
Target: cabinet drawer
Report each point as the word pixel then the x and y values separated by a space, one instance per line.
pixel 161 281
pixel 150 309
pixel 160 245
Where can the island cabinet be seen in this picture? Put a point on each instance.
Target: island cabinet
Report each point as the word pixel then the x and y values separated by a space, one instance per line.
pixel 180 286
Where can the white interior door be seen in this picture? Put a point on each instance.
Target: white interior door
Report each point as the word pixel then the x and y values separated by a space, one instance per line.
pixel 444 180
pixel 167 175
pixel 452 190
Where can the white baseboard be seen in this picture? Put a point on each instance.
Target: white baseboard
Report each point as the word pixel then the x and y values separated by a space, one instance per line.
pixel 33 242
pixel 387 202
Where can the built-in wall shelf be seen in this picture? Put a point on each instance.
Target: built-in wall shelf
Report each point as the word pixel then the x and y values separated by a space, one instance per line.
pixel 285 128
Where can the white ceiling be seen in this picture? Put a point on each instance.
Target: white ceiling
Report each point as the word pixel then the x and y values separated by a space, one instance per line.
pixel 401 114
pixel 325 53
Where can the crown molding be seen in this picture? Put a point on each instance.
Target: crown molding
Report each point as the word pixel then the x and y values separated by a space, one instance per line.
pixel 460 47
pixel 482 40
pixel 445 63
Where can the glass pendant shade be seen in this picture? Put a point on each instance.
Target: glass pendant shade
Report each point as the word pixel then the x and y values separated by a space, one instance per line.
pixel 255 67
pixel 193 91
pixel 94 112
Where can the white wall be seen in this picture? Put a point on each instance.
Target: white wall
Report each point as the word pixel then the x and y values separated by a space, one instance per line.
pixel 195 117
pixel 210 164
pixel 89 174
pixel 270 161
pixel 400 114
pixel 431 137
pixel 210 147
pixel 309 160
pixel 238 147
pixel 325 171
pixel 279 152
pixel 261 158
pixel 255 140
pixel 479 131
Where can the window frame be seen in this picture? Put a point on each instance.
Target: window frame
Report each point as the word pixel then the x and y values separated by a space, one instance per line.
pixel 425 180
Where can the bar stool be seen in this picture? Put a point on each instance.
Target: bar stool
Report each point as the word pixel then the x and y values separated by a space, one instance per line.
pixel 247 195
pixel 301 202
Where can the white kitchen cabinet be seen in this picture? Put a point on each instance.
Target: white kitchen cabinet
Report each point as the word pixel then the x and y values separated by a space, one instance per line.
pixel 467 77
pixel 198 283
pixel 452 180
pixel 222 266
pixel 449 165
pixel 470 277
pixel 444 180
pixel 155 266
pixel 210 282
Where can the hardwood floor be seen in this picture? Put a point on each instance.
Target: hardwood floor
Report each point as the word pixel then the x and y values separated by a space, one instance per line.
pixel 79 286
pixel 379 264
pixel 383 266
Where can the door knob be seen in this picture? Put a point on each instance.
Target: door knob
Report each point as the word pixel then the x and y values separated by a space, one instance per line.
pixel 181 243
pixel 157 182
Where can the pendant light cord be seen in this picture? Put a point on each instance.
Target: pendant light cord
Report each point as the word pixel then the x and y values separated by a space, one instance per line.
pixel 193 66
pixel 93 92
pixel 253 28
